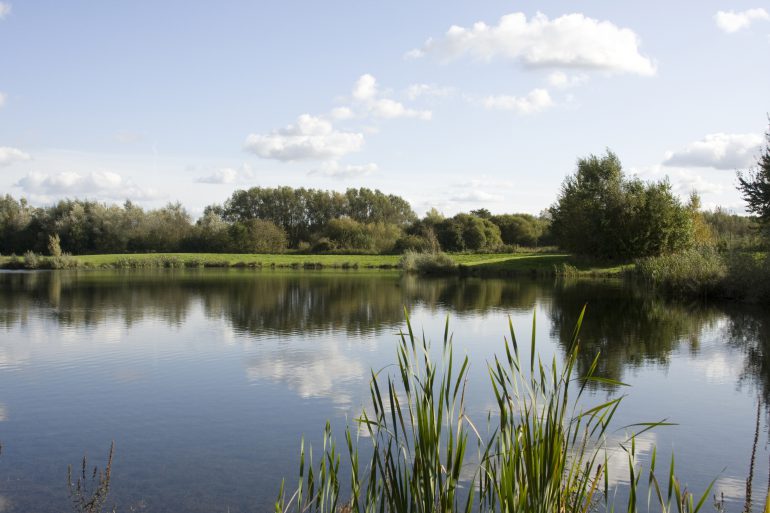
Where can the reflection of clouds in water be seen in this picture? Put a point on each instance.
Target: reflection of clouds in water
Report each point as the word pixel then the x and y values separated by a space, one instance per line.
pixel 3 414
pixel 718 367
pixel 617 458
pixel 310 372
pixel 732 488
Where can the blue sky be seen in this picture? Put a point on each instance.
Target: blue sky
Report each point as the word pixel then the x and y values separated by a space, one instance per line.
pixel 457 105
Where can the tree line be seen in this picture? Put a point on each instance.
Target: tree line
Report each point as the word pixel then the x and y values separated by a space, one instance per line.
pixel 599 212
pixel 262 220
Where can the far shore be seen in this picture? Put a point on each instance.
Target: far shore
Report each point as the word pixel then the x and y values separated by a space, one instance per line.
pixel 476 264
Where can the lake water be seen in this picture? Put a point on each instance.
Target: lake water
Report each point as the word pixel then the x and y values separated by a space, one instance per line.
pixel 206 380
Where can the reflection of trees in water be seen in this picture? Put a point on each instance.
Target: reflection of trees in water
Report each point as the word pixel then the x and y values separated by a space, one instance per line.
pixel 627 325
pixel 749 331
pixel 253 302
pixel 473 295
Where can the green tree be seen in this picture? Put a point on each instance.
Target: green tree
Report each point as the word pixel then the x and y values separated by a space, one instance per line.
pixel 754 185
pixel 601 213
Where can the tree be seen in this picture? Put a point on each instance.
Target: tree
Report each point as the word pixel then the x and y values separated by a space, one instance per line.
pixel 601 213
pixel 755 185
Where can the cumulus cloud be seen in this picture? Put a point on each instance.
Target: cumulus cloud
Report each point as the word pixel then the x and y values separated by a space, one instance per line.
pixel 572 40
pixel 367 95
pixel 335 170
pixel 311 138
pixel 562 80
pixel 104 184
pixel 5 10
pixel 683 181
pixel 535 101
pixel 2 99
pixel 719 151
pixel 732 21
pixel 416 91
pixel 10 155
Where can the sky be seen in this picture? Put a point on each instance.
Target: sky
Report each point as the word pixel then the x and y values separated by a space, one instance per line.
pixel 453 105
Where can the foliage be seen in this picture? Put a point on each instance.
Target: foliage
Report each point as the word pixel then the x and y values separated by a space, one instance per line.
pixel 732 232
pixel 54 245
pixel 520 229
pixel 706 271
pixel 427 263
pixel 697 271
pixel 256 236
pixel 754 185
pixel 546 454
pixel 467 232
pixel 305 212
pixel 601 213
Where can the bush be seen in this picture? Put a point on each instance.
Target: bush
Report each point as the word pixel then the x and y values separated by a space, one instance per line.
pixel 31 260
pixel 414 243
pixel 257 236
pixel 427 263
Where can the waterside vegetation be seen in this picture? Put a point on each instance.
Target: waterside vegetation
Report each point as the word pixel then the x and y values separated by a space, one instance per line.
pixel 545 449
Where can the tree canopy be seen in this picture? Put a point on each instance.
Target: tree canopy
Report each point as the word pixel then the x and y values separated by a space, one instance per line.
pixel 601 213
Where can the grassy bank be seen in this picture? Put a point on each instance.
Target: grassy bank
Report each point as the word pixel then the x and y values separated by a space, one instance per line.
pixel 464 263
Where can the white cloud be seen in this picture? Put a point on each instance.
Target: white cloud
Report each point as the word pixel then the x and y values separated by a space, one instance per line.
pixel 2 99
pixel 572 40
pixel 334 170
pixel 5 10
pixel 342 113
pixel 535 101
pixel 720 151
pixel 732 21
pixel 10 155
pixel 220 176
pixel 415 91
pixel 367 95
pixel 311 138
pixel 562 80
pixel 104 184
pixel 683 181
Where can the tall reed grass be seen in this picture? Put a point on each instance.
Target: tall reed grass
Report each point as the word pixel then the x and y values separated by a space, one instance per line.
pixel 546 453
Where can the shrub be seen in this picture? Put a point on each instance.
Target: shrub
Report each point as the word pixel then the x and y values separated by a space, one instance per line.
pixel 31 260
pixel 427 263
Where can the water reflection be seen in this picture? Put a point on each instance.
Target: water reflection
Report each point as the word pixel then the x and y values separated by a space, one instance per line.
pixel 239 364
pixel 630 327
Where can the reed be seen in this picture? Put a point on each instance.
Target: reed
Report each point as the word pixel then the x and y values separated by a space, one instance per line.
pixel 546 452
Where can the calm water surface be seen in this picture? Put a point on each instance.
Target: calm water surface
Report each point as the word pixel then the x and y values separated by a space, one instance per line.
pixel 206 380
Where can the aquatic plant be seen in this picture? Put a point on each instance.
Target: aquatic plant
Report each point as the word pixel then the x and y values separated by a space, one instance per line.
pixel 546 454
pixel 89 494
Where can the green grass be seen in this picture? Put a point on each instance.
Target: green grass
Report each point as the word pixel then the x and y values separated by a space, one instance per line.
pixel 471 263
pixel 539 263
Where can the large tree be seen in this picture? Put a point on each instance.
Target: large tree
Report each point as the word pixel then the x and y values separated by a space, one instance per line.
pixel 755 185
pixel 601 213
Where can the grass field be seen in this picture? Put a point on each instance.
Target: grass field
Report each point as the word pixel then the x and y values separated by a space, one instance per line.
pixel 469 263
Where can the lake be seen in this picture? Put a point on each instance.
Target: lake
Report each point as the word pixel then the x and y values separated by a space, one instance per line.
pixel 207 380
